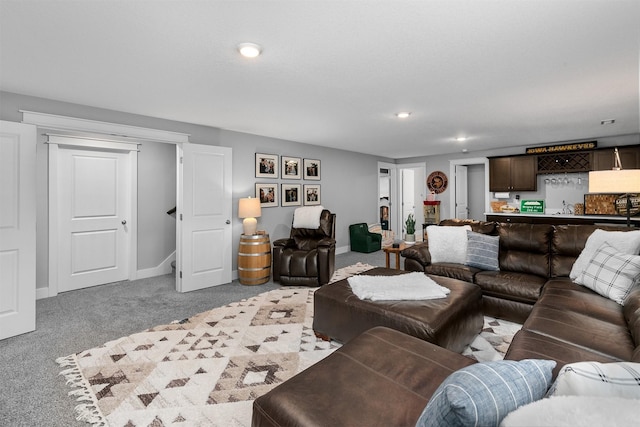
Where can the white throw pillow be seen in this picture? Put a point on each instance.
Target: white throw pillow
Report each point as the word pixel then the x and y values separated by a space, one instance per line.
pixel 616 379
pixel 575 411
pixel 448 243
pixel 611 274
pixel 627 242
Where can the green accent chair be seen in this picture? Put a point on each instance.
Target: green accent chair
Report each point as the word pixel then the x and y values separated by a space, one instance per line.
pixel 362 240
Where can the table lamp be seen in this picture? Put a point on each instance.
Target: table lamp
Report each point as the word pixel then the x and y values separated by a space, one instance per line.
pixel 249 209
pixel 616 180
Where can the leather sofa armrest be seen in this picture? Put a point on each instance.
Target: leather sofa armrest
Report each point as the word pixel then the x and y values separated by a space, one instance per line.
pixel 418 252
pixel 327 242
pixel 284 243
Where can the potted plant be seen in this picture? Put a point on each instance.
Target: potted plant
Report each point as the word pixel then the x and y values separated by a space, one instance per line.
pixel 410 229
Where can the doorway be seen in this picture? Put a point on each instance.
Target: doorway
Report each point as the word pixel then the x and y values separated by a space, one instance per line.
pixel 125 138
pixel 471 187
pixel 92 211
pixel 412 193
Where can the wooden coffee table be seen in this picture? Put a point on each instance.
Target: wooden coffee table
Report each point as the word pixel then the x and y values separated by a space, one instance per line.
pixel 391 250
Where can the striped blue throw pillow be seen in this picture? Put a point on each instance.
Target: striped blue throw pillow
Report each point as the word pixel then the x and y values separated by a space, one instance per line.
pixel 482 251
pixel 484 393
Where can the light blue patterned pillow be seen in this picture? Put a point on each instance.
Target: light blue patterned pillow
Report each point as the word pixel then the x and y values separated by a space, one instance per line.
pixel 482 251
pixel 484 393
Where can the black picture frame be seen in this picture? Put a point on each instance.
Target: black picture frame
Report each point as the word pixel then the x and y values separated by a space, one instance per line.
pixel 268 194
pixel 311 194
pixel 311 169
pixel 267 165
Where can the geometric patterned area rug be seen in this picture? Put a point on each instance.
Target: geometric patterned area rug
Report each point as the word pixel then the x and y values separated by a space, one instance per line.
pixel 208 369
pixel 493 341
pixel 201 371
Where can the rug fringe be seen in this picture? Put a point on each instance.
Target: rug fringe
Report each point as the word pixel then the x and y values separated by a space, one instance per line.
pixel 86 412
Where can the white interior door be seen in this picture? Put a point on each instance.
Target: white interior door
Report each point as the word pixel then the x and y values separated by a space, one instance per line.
pixel 94 217
pixel 204 247
pixel 17 229
pixel 462 199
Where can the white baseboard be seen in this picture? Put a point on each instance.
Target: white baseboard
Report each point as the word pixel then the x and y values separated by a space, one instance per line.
pixel 343 250
pixel 42 293
pixel 163 268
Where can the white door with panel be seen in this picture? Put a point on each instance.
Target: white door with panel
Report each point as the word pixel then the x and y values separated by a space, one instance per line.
pixel 94 217
pixel 204 252
pixel 17 229
pixel 462 196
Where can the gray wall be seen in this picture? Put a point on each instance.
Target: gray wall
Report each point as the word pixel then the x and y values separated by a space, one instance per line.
pixel 156 195
pixel 348 180
pixel 348 185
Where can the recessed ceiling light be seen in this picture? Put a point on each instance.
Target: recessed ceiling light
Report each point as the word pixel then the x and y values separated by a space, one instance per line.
pixel 607 122
pixel 249 50
pixel 403 114
pixel 461 138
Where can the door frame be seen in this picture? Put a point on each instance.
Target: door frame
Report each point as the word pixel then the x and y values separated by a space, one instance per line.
pixel 422 167
pixel 55 142
pixel 452 177
pixel 393 197
pixel 96 130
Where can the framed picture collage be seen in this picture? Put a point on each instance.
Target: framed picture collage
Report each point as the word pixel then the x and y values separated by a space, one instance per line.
pixel 273 166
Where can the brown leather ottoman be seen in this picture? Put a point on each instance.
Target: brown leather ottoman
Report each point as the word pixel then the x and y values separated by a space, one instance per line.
pixel 361 384
pixel 451 322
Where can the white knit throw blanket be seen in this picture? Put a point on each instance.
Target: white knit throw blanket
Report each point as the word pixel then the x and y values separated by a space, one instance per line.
pixel 307 217
pixel 410 286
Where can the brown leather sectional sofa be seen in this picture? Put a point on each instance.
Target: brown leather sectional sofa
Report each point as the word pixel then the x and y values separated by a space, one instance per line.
pixel 561 320
pixel 385 377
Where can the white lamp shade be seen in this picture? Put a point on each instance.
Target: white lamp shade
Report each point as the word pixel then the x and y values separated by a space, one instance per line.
pixel 615 181
pixel 249 208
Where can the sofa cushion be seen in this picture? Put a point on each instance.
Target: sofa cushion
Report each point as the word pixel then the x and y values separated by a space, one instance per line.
pixel 611 274
pixel 562 293
pixel 484 393
pixel 581 330
pixel 448 244
pixel 455 271
pixel 484 227
pixel 528 345
pixel 482 251
pixel 524 248
pixel 511 285
pixel 568 242
pixel 627 242
pixel 618 379
pixel 631 313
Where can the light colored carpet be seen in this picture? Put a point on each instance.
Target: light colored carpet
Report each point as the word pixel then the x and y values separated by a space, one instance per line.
pixel 205 370
pixel 208 369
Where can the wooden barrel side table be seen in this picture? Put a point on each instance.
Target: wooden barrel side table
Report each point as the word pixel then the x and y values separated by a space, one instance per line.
pixel 254 259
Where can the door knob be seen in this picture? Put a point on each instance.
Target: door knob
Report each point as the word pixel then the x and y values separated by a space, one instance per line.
pixel 124 222
pixel 228 221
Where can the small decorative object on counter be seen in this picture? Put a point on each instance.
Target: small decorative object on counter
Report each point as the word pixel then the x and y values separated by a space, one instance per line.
pixel 578 209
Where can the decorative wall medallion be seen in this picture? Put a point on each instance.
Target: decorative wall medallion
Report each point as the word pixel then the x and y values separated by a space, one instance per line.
pixel 437 182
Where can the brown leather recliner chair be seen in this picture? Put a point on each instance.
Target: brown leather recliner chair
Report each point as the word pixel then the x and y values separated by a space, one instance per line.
pixel 308 256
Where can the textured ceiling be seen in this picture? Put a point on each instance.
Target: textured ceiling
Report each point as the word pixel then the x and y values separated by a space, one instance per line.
pixel 333 73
